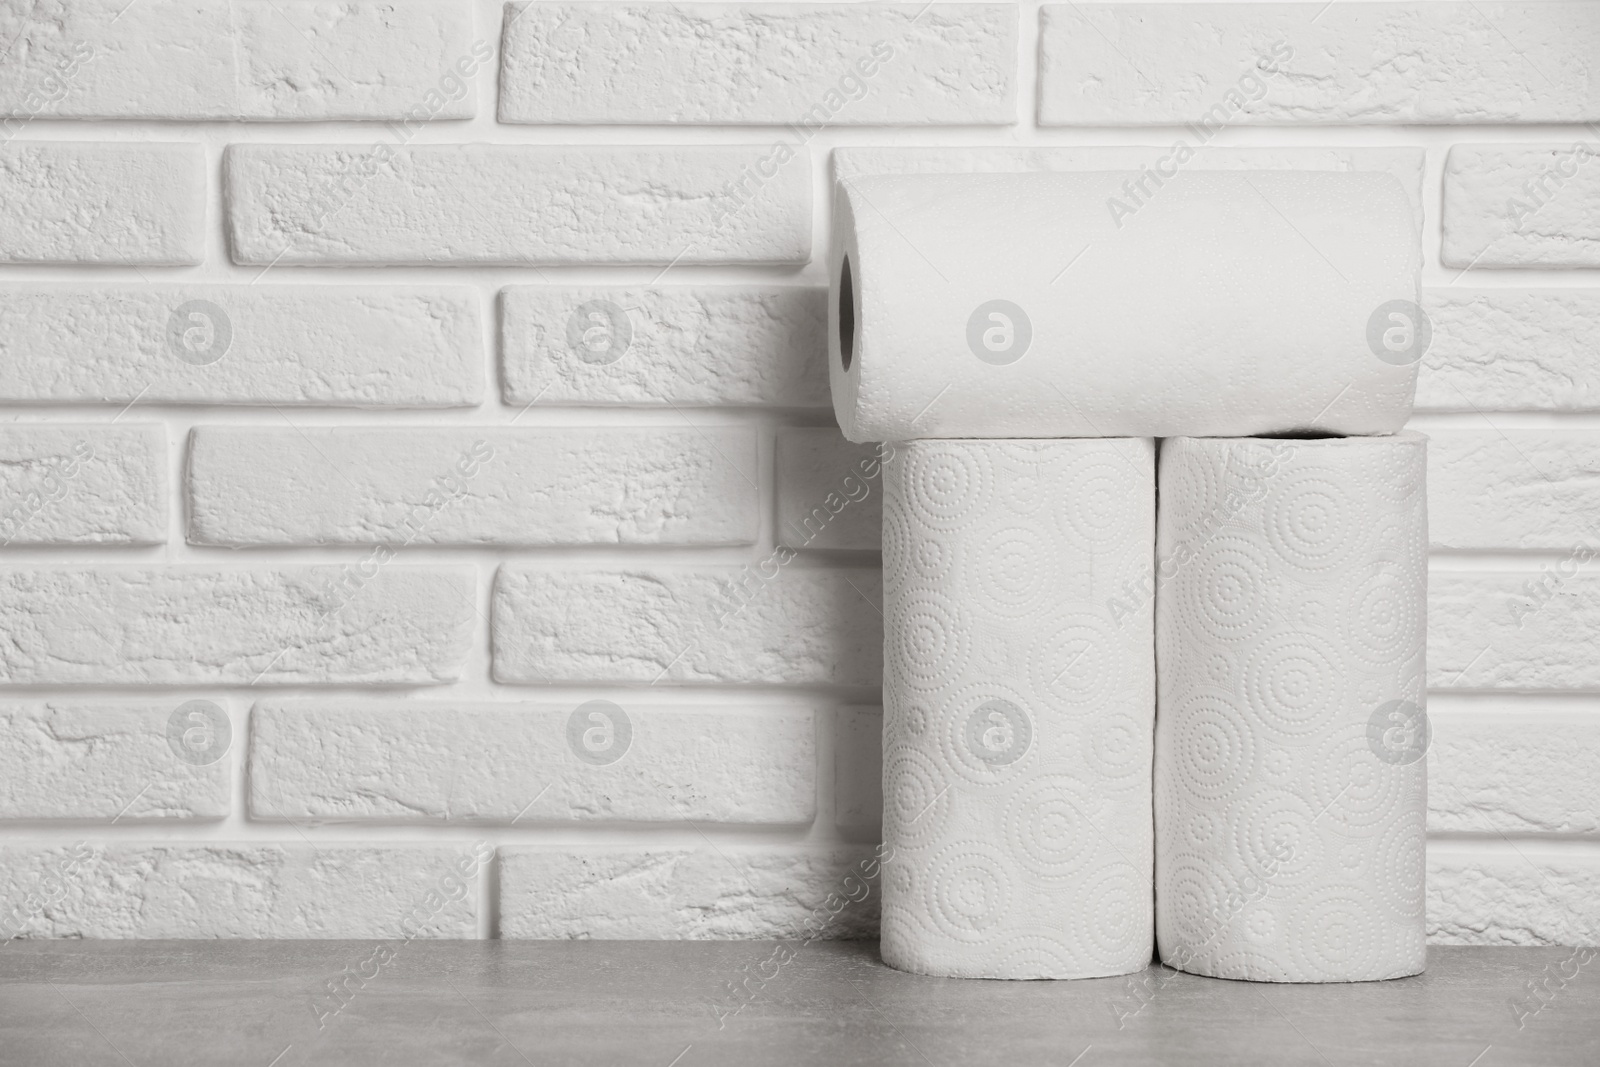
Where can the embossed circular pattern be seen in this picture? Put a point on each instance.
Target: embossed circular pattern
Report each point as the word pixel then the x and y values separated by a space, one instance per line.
pixel 915 797
pixel 1001 652
pixel 1223 589
pixel 1275 838
pixel 968 891
pixel 1013 573
pixel 945 486
pixel 1401 866
pixel 1095 504
pixel 986 734
pixel 1036 956
pixel 1357 790
pixel 1311 521
pixel 1331 835
pixel 898 543
pixel 1213 751
pixel 1119 749
pixel 1112 927
pixel 927 640
pixel 1048 825
pixel 1338 936
pixel 1294 686
pixel 1077 662
pixel 1193 891
pixel 930 559
pixel 1382 616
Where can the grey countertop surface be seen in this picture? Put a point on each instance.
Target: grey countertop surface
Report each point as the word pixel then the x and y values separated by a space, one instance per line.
pixel 682 1004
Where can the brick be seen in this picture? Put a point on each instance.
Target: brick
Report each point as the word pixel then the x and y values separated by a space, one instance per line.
pixel 517 204
pixel 1522 205
pixel 85 485
pixel 813 65
pixel 209 59
pixel 1510 350
pixel 1526 897
pixel 501 763
pixel 344 345
pixel 102 203
pixel 830 491
pixel 1513 771
pixel 1516 631
pixel 858 772
pixel 690 625
pixel 472 486
pixel 238 890
pixel 702 345
pixel 361 622
pixel 1406 164
pixel 1311 63
pixel 688 894
pixel 106 762
pixel 1534 489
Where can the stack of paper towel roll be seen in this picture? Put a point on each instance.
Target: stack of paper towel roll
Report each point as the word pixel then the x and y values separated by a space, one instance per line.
pixel 1061 654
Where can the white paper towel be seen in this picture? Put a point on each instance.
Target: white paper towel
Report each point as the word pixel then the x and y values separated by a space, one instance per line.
pixel 1290 784
pixel 1028 305
pixel 1019 708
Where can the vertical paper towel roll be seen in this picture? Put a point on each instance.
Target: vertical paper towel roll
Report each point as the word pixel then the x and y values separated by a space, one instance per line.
pixel 1290 784
pixel 1029 305
pixel 1019 698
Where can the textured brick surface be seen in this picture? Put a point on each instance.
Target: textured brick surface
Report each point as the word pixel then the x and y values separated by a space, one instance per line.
pixel 198 625
pixel 1514 489
pixel 517 204
pixel 699 893
pixel 811 64
pixel 302 477
pixel 858 772
pixel 347 345
pixel 1524 630
pixel 93 485
pixel 470 486
pixel 679 345
pixel 830 492
pixel 209 59
pixel 1510 350
pixel 1523 205
pixel 1426 62
pixel 499 763
pixel 1512 771
pixel 689 625
pixel 1406 164
pixel 101 203
pixel 105 761
pixel 243 890
pixel 1536 898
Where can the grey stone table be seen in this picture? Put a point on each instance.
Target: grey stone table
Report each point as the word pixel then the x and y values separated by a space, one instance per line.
pixel 672 1004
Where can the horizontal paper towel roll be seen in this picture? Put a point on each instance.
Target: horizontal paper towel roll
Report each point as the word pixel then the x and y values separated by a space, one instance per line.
pixel 1290 780
pixel 1030 305
pixel 1018 708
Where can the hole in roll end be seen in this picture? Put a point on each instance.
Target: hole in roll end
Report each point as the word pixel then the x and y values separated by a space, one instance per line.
pixel 847 315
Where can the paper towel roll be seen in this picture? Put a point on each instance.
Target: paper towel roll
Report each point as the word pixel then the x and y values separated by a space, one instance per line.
pixel 1290 785
pixel 1018 708
pixel 1032 305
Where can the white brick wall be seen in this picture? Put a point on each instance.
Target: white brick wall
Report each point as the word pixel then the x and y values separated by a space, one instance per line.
pixel 504 763
pixel 278 665
pixel 101 203
pixel 811 64
pixel 83 485
pixel 289 59
pixel 286 345
pixel 396 486
pixel 514 205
